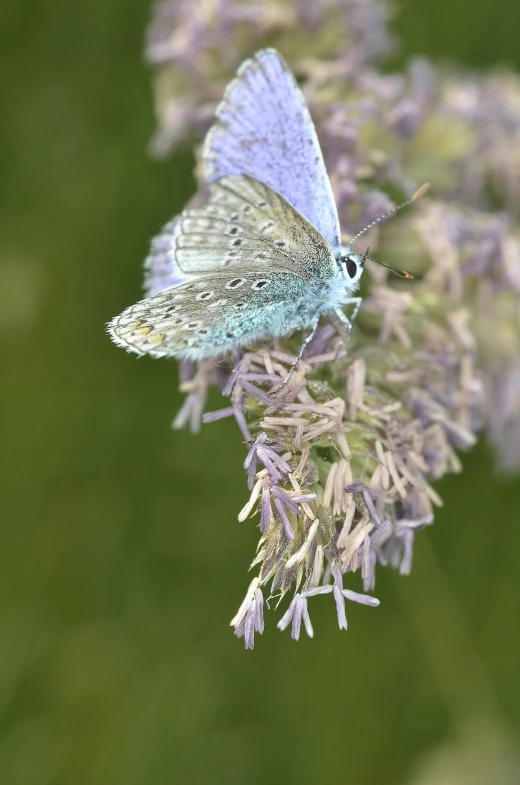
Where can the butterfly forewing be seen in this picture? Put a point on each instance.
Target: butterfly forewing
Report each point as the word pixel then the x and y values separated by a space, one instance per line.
pixel 263 128
pixel 263 285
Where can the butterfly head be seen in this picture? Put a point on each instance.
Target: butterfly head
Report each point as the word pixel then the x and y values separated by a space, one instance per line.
pixel 351 265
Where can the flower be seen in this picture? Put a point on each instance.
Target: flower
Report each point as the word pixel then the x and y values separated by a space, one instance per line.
pixel 250 616
pixel 296 613
pixel 341 462
pixel 195 54
pixel 298 610
pixel 261 452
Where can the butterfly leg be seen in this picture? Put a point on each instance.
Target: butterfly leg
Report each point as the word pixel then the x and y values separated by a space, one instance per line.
pixel 300 353
pixel 345 321
pixel 356 302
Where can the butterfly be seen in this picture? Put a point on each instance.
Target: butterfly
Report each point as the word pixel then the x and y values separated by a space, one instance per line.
pixel 263 257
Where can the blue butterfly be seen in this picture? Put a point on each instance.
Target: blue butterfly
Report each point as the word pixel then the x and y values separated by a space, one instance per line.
pixel 263 258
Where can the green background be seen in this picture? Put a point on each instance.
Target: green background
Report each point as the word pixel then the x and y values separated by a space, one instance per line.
pixel 121 560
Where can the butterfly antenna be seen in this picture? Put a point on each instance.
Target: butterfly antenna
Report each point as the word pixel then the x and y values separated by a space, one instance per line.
pixel 417 195
pixel 401 273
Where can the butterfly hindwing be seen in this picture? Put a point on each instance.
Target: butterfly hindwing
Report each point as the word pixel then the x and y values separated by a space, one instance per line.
pixel 263 128
pixel 161 271
pixel 205 317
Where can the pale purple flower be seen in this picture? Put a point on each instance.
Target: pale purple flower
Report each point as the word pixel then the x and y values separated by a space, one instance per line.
pixel 372 553
pixel 429 364
pixel 193 406
pixel 265 511
pixel 398 548
pixel 267 454
pixel 295 614
pixel 298 610
pixel 250 617
pixel 285 503
pixel 341 594
pixel 191 411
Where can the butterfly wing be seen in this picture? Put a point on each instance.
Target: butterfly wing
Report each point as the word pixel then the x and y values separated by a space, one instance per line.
pixel 266 268
pixel 247 225
pixel 161 271
pixel 263 128
pixel 234 226
pixel 207 317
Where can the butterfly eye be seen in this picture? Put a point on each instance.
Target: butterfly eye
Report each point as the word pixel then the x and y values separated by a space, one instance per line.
pixel 351 266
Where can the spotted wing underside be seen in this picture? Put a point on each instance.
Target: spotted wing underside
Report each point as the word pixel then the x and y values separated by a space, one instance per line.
pixel 248 251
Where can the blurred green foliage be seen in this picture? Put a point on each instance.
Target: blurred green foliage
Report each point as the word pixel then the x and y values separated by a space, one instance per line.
pixel 121 560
